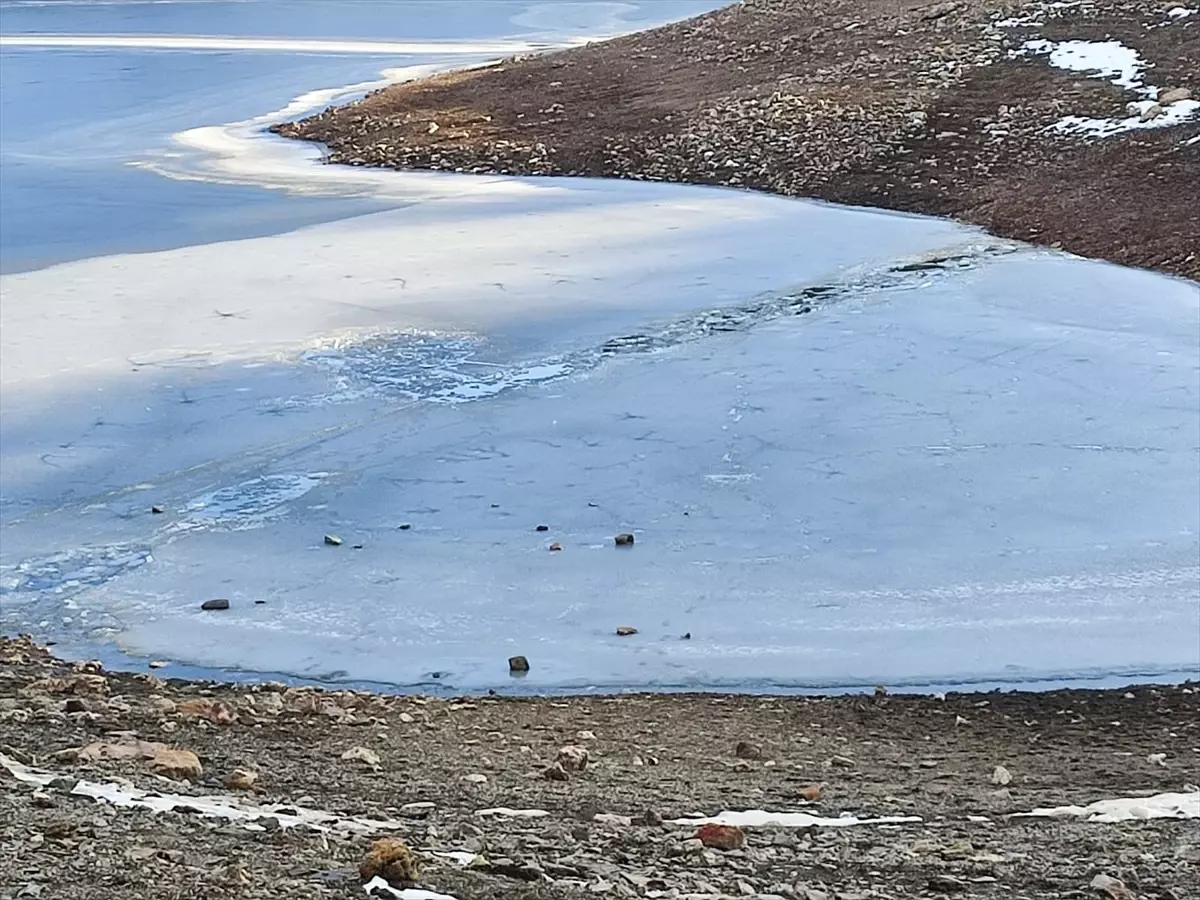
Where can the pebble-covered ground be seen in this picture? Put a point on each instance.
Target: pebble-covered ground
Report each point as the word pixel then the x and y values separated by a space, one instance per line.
pixel 922 106
pixel 423 770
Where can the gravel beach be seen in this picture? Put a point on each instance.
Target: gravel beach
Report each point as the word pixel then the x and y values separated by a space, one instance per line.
pixel 314 778
pixel 965 109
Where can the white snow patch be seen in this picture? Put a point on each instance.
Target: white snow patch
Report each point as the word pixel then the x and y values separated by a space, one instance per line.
pixel 458 857
pixel 377 885
pixel 1185 805
pixel 1110 60
pixel 1175 114
pixel 210 806
pixel 1116 63
pixel 1180 12
pixel 512 813
pixel 758 818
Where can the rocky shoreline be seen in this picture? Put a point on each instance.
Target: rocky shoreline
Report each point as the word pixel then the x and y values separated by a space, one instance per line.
pixel 946 108
pixel 265 791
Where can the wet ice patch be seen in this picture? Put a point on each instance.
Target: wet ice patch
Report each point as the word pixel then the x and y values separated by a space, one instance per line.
pixel 457 368
pixel 422 366
pixel 1122 66
pixel 1182 805
pixel 250 504
pixel 760 818
pixel 70 571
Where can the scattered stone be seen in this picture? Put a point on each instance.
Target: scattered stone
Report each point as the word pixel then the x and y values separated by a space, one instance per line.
pixel 177 764
pixel 215 711
pixel 392 860
pixel 74 705
pixel 721 837
pixel 556 546
pixel 158 510
pixel 880 690
pixel 810 792
pixel 651 818
pixel 604 818
pixel 1155 759
pixel 542 528
pixel 85 684
pixel 573 758
pixel 157 664
pixel 242 780
pixel 405 527
pixel 211 605
pixel 56 831
pixel 746 750
pixel 842 762
pixel 626 630
pixel 556 772
pixel 946 884
pixel 1113 888
pixel 1001 776
pixel 475 778
pixel 332 540
pixel 624 540
pixel 518 664
pixel 364 755
pixel 687 636
pixel 1174 95
pixel 1151 112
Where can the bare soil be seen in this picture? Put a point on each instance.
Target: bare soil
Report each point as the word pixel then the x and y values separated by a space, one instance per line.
pixel 651 759
pixel 912 105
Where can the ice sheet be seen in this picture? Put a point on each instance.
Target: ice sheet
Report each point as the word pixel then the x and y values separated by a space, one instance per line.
pixel 854 447
pixel 979 468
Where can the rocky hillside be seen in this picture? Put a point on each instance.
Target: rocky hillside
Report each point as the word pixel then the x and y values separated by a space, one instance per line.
pixel 990 112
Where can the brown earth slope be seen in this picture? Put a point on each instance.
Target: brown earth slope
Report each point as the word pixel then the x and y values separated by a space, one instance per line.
pixel 431 765
pixel 906 104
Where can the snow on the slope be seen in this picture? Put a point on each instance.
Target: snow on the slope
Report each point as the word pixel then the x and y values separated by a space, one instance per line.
pixel 1124 67
pixel 759 818
pixel 1180 805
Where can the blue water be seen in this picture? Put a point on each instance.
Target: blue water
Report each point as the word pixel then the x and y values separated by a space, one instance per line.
pixel 75 121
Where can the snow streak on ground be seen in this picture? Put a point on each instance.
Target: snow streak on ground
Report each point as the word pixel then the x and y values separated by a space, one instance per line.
pixel 1124 67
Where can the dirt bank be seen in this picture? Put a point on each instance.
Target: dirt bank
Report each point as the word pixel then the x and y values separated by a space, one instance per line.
pixel 423 769
pixel 913 105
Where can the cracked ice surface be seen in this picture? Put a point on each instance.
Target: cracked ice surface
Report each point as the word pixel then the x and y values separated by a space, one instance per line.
pixel 854 447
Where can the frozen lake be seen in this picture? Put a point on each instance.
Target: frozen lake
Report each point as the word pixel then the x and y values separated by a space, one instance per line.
pixel 853 447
